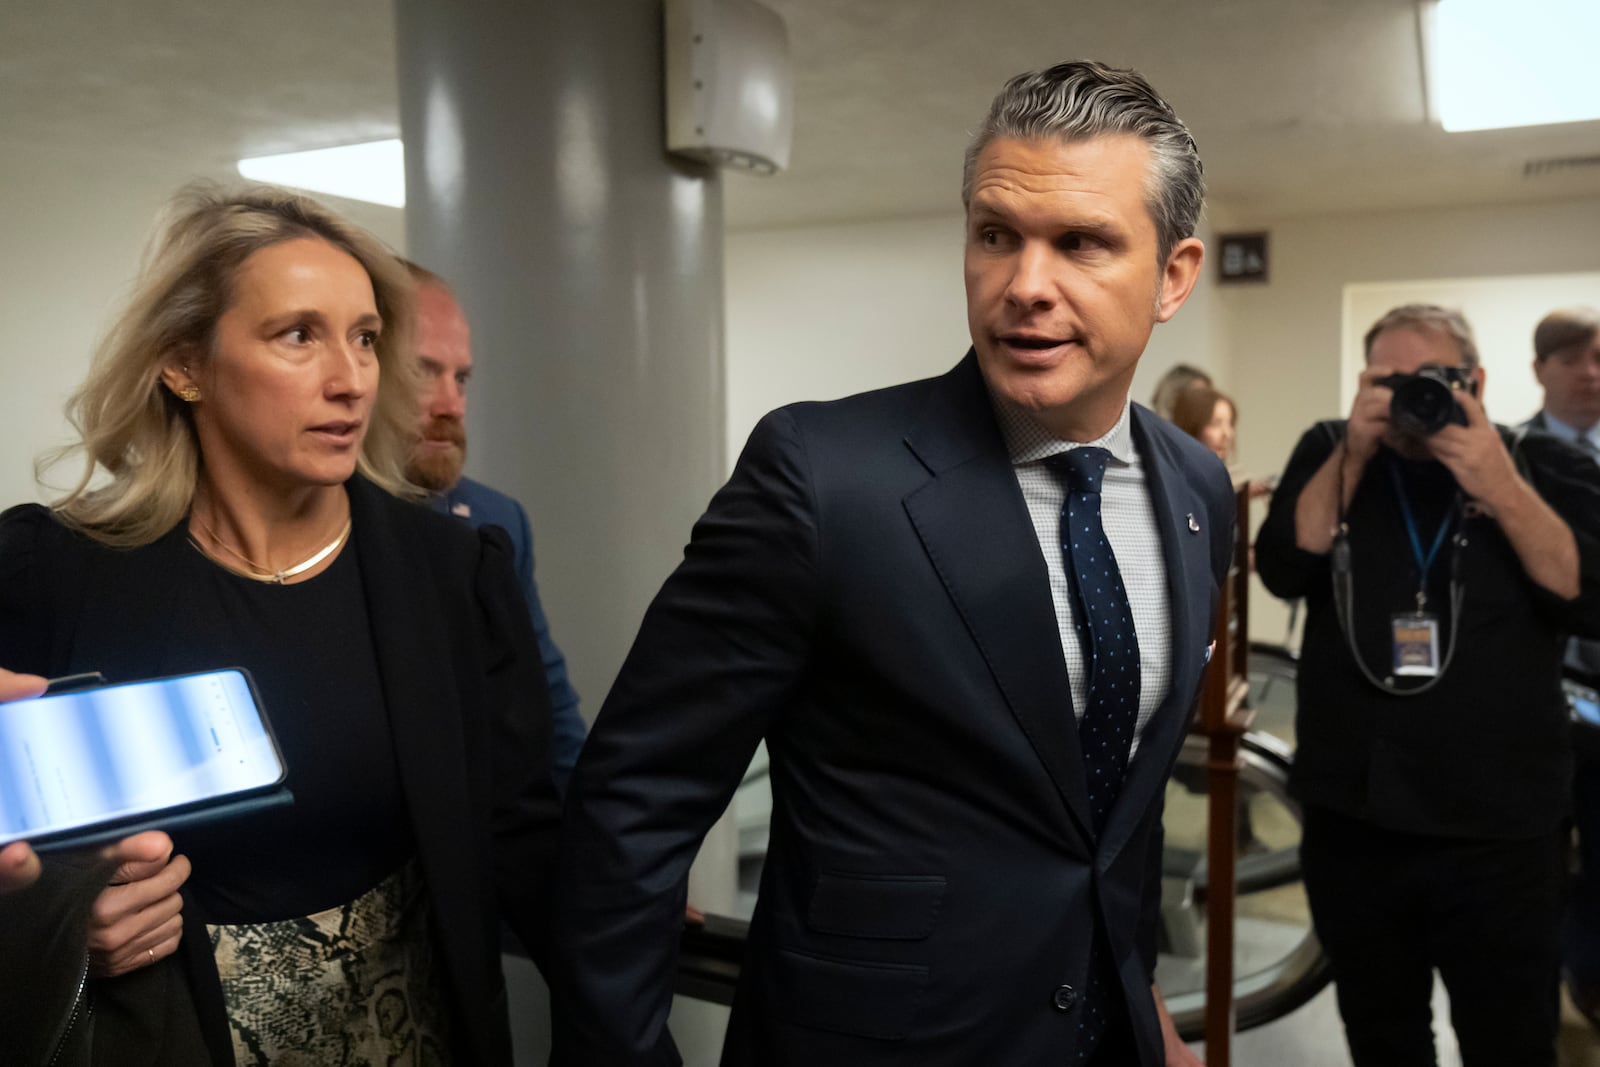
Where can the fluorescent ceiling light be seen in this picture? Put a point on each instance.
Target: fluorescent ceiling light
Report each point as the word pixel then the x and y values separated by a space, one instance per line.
pixel 375 171
pixel 1500 63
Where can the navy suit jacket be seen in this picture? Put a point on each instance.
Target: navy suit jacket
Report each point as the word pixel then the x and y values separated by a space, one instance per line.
pixel 1583 655
pixel 868 594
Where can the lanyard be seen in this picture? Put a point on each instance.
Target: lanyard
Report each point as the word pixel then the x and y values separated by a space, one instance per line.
pixel 1424 562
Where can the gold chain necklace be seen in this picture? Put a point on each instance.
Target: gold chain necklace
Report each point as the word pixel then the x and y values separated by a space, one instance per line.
pixel 256 571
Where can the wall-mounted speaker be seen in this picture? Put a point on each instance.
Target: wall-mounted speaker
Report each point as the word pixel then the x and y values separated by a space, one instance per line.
pixel 730 89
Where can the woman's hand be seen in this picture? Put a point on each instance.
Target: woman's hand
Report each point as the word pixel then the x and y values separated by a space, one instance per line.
pixel 136 919
pixel 16 686
pixel 19 867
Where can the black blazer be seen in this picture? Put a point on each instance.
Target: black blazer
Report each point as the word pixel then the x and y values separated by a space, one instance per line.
pixel 470 713
pixel 867 593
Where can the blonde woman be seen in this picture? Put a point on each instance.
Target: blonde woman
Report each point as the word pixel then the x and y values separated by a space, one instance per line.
pixel 244 429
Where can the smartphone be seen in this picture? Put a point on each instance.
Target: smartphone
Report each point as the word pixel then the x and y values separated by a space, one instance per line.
pixel 93 765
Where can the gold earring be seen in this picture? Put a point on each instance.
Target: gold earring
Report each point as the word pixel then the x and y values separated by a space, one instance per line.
pixel 189 394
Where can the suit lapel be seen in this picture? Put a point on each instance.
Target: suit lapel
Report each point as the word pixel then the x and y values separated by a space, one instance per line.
pixel 975 528
pixel 1186 553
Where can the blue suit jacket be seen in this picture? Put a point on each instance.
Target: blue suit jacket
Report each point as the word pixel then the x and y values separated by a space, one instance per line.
pixel 867 593
pixel 483 506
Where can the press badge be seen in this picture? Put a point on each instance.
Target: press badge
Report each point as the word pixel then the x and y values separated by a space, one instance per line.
pixel 1416 643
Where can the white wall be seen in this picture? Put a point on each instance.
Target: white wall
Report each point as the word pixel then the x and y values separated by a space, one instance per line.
pixel 821 312
pixel 73 225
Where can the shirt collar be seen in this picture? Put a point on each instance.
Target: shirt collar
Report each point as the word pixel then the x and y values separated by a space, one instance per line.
pixel 1568 432
pixel 1028 442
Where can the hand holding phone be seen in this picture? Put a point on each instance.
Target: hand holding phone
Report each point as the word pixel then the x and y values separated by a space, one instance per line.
pixel 15 686
pixel 19 867
pixel 91 766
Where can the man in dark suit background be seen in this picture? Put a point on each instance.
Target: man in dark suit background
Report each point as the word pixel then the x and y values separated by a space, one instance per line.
pixel 1566 361
pixel 964 861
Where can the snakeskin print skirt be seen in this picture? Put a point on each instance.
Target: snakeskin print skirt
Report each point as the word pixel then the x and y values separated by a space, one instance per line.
pixel 353 986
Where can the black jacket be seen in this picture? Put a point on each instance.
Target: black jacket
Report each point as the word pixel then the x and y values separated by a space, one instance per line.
pixel 465 695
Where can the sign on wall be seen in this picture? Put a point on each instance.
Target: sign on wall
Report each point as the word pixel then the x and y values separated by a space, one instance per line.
pixel 1243 258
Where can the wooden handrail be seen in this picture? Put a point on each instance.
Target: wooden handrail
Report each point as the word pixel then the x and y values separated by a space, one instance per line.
pixel 1224 718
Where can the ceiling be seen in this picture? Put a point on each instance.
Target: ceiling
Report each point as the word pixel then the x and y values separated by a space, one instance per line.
pixel 1299 106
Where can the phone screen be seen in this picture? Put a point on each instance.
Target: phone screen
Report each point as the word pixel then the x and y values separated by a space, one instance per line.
pixel 96 756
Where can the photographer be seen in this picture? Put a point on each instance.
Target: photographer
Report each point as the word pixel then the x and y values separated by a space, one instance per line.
pixel 1443 562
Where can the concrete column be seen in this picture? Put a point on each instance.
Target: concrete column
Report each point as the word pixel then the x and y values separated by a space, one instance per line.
pixel 590 267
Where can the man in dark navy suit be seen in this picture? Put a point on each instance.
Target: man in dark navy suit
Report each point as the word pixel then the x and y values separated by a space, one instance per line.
pixel 1566 361
pixel 969 616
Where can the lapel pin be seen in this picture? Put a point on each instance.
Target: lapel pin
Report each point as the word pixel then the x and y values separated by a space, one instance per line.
pixel 1194 527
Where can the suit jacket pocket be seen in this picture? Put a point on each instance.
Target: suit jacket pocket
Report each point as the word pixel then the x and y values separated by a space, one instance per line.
pixel 876 1000
pixel 889 907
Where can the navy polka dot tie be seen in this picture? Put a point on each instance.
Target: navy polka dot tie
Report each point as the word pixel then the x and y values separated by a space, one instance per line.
pixel 1105 631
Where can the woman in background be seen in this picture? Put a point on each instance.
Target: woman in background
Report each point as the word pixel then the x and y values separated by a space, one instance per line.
pixel 1180 378
pixel 1210 417
pixel 244 429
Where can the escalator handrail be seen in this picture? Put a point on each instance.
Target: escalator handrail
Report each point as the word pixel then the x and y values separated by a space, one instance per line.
pixel 1273 992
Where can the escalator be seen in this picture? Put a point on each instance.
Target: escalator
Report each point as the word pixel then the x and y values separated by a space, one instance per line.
pixel 1278 963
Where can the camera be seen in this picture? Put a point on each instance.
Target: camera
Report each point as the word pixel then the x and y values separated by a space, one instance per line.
pixel 1424 402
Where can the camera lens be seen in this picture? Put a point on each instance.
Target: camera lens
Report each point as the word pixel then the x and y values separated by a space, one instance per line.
pixel 1422 405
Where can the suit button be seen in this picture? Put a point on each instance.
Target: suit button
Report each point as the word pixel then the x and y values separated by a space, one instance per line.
pixel 1065 998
